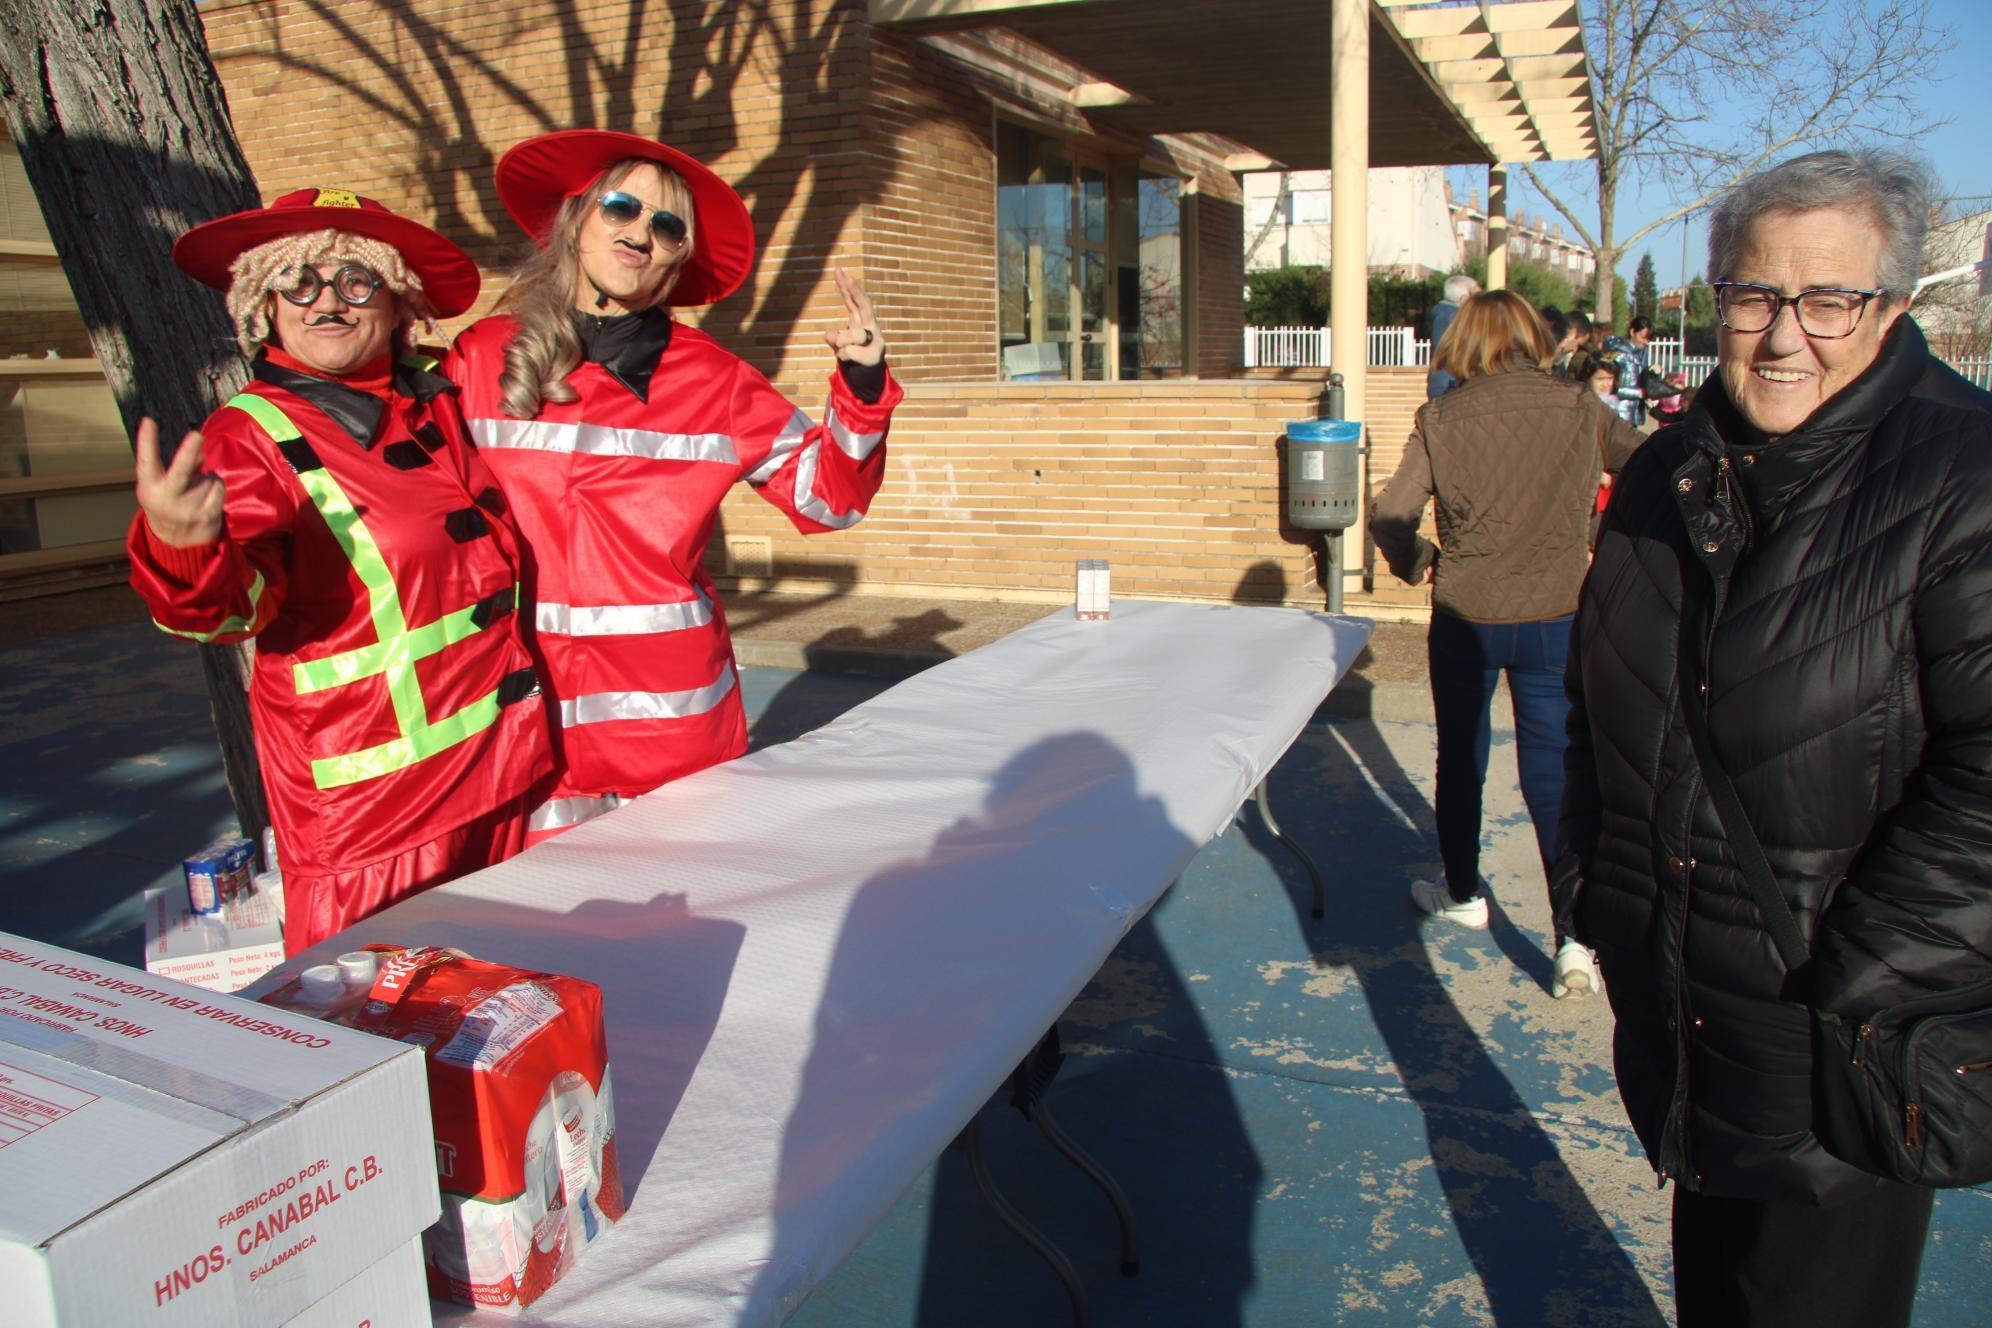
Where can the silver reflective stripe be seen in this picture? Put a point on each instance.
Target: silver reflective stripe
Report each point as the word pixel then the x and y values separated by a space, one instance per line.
pixel 622 619
pixel 808 503
pixel 856 446
pixel 600 440
pixel 560 813
pixel 792 436
pixel 599 707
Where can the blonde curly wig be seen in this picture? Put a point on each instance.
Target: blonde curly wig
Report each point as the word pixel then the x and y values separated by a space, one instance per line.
pixel 258 273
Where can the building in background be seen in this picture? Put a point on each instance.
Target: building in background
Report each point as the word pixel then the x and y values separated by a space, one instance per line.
pixel 1953 314
pixel 1416 226
pixel 65 465
pixel 1411 232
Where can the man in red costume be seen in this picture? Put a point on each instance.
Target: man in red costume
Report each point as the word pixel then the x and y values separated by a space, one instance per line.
pixel 617 431
pixel 334 513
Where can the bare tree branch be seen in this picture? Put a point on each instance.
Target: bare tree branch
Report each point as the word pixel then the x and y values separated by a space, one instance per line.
pixel 1272 218
pixel 1569 213
pixel 1669 75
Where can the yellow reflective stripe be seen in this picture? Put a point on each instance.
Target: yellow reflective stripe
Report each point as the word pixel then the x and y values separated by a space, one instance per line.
pixel 315 675
pixel 420 743
pixel 266 413
pixel 397 658
pixel 397 648
pixel 227 624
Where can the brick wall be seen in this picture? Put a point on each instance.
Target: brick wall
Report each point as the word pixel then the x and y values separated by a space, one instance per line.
pixel 852 148
pixel 1218 271
pixel 1394 398
pixel 995 489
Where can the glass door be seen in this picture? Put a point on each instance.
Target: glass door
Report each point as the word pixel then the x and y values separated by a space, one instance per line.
pixel 1055 314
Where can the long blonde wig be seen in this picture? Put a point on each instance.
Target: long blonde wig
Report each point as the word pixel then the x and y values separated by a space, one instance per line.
pixel 541 299
pixel 258 272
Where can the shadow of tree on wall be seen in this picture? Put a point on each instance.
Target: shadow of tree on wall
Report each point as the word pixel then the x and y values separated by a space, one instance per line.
pixel 436 84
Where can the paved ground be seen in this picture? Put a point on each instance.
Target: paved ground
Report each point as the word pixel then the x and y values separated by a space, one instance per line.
pixel 1354 1120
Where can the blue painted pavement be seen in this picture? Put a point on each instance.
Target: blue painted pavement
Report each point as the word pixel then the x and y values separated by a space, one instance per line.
pixel 1365 1120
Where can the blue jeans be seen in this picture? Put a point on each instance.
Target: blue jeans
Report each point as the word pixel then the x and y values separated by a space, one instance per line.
pixel 1467 659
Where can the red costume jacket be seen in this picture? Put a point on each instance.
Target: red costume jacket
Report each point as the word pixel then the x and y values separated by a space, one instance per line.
pixel 616 493
pixel 369 554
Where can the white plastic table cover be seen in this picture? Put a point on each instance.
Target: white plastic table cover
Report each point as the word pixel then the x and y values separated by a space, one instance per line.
pixel 820 960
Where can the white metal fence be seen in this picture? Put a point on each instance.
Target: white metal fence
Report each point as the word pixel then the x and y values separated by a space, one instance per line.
pixel 1307 347
pixel 1978 371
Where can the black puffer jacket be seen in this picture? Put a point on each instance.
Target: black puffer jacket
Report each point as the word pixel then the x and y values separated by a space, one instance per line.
pixel 1847 572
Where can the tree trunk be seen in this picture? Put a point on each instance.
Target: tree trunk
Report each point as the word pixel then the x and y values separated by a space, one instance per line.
pixel 1607 252
pixel 123 130
pixel 1601 291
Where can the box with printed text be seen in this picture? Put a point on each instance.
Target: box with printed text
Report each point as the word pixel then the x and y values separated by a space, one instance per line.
pixel 393 1293
pixel 224 951
pixel 169 1156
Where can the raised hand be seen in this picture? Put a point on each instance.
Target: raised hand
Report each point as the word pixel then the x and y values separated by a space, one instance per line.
pixel 182 502
pixel 859 341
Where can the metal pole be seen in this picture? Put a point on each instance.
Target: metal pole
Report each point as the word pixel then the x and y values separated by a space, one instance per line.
pixel 1332 573
pixel 1497 227
pixel 1684 295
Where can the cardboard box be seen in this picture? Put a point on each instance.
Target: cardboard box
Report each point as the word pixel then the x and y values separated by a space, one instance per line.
pixel 391 1294
pixel 169 1156
pixel 224 952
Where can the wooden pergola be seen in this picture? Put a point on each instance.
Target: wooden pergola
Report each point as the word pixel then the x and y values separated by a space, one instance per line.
pixel 1342 84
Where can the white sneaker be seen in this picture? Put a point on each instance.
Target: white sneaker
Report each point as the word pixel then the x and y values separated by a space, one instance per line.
pixel 1435 898
pixel 1576 971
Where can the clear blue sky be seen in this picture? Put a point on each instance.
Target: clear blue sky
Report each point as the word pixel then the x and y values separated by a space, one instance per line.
pixel 1959 151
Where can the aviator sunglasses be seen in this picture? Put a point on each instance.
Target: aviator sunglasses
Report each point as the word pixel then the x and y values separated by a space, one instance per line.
pixel 620 209
pixel 352 283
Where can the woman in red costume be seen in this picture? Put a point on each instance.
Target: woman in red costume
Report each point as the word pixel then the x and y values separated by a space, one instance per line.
pixel 333 513
pixel 617 431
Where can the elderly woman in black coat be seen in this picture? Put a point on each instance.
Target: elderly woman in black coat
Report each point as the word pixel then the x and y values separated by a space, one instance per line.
pixel 1806 559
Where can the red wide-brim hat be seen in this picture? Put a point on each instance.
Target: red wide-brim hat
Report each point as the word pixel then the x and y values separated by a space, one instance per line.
pixel 449 279
pixel 540 174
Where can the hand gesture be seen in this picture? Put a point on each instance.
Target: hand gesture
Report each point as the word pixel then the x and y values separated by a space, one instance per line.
pixel 860 342
pixel 182 502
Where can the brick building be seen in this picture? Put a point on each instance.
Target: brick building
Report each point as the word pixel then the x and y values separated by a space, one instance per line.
pixel 1056 257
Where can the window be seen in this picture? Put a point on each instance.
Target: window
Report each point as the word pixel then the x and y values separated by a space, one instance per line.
pixel 1313 206
pixel 1089 263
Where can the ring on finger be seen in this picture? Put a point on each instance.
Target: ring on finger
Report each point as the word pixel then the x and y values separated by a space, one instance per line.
pixel 869 338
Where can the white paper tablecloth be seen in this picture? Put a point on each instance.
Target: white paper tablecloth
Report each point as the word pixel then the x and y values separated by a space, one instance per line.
pixel 820 960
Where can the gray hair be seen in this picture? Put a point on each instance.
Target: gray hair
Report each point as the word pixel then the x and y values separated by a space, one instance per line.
pixel 1895 186
pixel 1459 286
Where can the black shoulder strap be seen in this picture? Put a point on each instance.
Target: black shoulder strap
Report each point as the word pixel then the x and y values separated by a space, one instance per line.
pixel 1736 822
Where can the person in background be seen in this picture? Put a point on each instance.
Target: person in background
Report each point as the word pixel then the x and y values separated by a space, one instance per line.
pixel 1671 408
pixel 1568 330
pixel 1805 558
pixel 617 431
pixel 334 513
pixel 1634 363
pixel 1558 325
pixel 1600 374
pixel 1512 457
pixel 1457 289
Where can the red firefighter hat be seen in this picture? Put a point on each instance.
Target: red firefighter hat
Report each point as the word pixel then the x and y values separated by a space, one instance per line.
pixel 535 177
pixel 449 279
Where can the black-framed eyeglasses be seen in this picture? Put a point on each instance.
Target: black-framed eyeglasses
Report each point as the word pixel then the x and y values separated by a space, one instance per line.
pixel 1826 312
pixel 352 283
pixel 620 209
